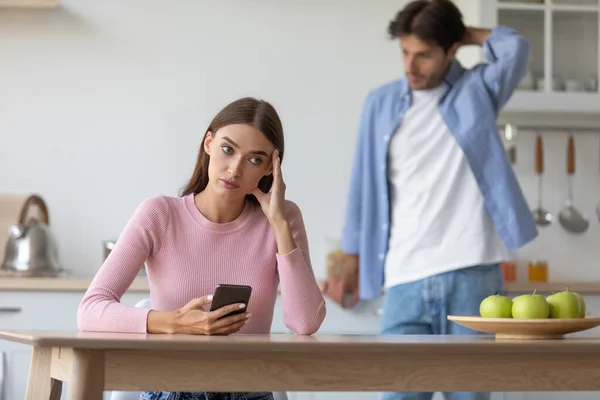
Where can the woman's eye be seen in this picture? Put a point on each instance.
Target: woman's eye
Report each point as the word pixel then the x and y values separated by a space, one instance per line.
pixel 227 149
pixel 256 160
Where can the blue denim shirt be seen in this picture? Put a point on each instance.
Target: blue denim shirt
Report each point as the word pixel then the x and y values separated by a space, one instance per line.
pixel 469 107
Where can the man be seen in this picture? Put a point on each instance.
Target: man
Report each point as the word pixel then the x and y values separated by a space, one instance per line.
pixel 434 205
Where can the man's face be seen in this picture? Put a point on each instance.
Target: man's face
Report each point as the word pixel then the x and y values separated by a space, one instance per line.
pixel 425 64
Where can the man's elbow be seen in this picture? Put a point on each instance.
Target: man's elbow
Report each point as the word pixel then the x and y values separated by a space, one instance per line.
pixel 522 53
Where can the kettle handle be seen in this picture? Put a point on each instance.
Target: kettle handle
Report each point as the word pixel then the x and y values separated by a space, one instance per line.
pixel 37 200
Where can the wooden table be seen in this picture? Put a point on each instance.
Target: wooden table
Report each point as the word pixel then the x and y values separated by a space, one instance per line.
pixel 93 362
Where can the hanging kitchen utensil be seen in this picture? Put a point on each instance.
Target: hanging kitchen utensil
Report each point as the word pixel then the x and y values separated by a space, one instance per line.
pixel 570 218
pixel 541 216
pixel 598 211
pixel 31 249
pixel 510 142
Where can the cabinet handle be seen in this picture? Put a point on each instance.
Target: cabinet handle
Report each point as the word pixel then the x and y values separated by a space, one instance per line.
pixel 10 309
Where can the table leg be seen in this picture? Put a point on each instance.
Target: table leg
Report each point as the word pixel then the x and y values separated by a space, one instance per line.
pixel 39 383
pixel 87 375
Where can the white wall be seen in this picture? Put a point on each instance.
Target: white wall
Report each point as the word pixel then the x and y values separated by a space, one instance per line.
pixel 103 104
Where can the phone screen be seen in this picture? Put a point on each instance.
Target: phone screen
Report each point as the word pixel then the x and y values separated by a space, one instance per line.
pixel 231 294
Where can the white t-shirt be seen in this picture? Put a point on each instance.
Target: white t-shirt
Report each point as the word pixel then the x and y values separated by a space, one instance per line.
pixel 438 222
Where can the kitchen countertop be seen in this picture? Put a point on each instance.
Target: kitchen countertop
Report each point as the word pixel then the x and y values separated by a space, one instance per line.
pixel 140 285
pixel 529 287
pixel 60 284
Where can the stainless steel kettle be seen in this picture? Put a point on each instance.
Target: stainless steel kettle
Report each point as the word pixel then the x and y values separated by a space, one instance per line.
pixel 31 249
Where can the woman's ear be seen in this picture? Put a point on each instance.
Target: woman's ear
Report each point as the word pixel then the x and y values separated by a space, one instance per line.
pixel 207 141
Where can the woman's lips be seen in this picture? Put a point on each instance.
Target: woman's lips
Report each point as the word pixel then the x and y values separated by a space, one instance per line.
pixel 229 184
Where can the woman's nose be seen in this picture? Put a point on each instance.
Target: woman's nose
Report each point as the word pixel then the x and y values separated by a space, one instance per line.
pixel 235 169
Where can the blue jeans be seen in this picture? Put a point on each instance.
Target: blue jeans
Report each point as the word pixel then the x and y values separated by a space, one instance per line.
pixel 205 396
pixel 421 307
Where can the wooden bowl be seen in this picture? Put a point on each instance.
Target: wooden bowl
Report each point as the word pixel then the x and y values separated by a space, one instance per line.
pixel 509 328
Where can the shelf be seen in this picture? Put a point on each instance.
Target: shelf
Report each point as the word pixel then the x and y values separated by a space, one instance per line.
pixel 556 6
pixel 589 288
pixel 575 8
pixel 31 4
pixel 521 6
pixel 555 102
pixel 553 111
pixel 544 121
pixel 574 3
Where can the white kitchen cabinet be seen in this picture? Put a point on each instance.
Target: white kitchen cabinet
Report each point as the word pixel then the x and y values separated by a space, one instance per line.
pixel 36 310
pixel 565 58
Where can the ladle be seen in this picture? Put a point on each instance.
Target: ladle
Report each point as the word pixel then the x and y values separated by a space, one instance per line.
pixel 570 218
pixel 541 216
pixel 598 211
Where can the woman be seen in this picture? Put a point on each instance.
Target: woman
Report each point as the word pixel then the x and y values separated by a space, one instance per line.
pixel 231 225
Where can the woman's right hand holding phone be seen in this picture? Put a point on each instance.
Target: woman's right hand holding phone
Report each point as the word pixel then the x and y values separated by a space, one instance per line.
pixel 192 319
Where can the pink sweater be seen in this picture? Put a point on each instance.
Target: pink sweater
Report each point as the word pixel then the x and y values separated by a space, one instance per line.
pixel 187 255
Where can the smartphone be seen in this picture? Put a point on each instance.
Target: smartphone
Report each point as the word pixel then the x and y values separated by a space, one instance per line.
pixel 231 294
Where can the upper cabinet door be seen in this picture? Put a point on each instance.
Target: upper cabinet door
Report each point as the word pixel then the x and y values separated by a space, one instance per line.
pixel 562 78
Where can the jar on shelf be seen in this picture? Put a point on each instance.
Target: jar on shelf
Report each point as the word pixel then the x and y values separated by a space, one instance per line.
pixel 509 269
pixel 334 256
pixel 538 271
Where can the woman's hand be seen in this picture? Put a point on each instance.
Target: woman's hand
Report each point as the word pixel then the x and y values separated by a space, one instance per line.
pixel 272 203
pixel 192 319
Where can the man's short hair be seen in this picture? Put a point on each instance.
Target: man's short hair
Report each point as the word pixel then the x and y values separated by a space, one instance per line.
pixel 433 21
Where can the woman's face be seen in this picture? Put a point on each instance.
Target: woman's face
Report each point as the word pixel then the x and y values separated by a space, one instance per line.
pixel 240 156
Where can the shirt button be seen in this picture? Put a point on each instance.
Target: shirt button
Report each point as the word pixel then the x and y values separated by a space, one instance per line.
pixel 381 256
pixel 386 138
pixel 384 227
pixel 383 167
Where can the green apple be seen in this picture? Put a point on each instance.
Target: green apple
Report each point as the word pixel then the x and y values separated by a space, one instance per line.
pixel 530 306
pixel 581 305
pixel 564 305
pixel 496 306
